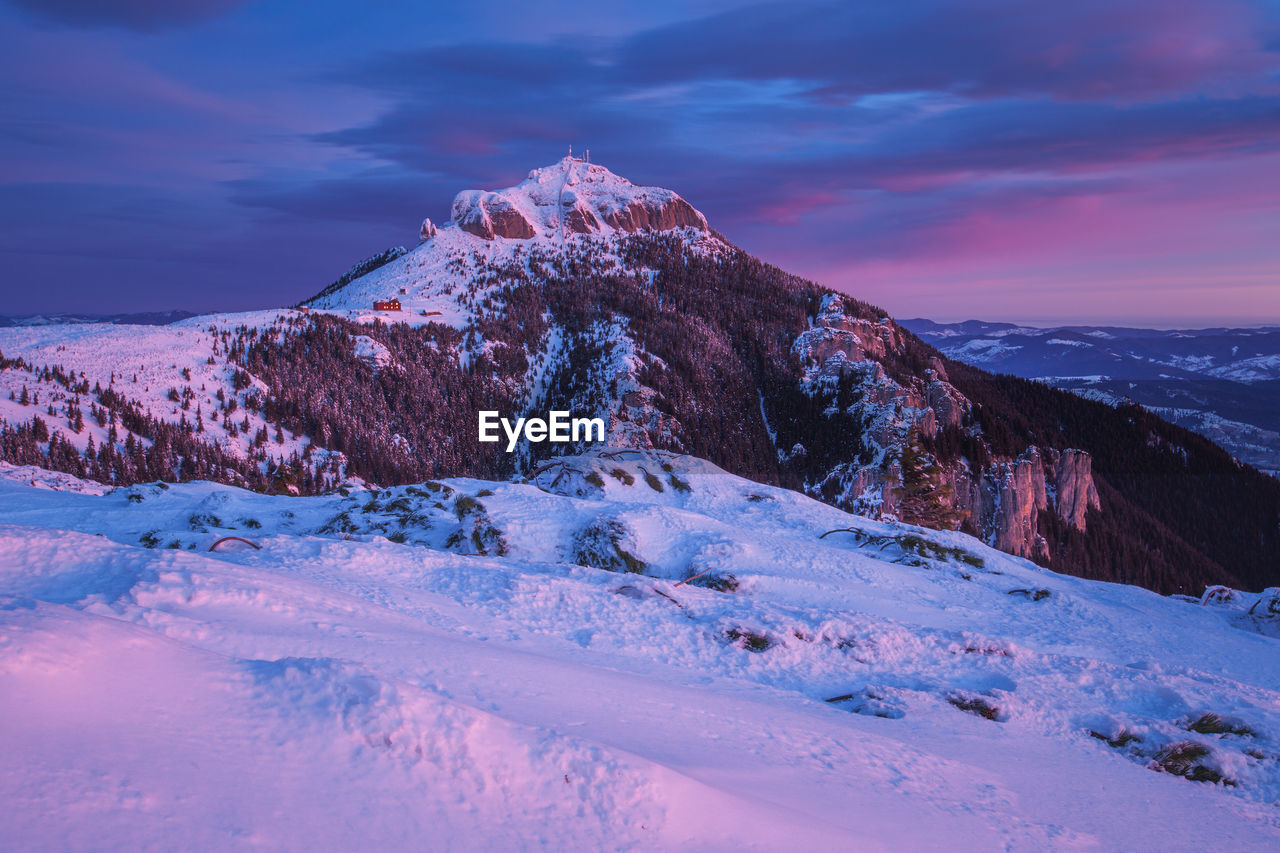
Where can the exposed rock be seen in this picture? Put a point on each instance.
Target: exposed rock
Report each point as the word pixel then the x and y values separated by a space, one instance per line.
pixel 656 215
pixel 949 405
pixel 427 231
pixel 488 215
pixel 638 422
pixel 1020 497
pixel 580 220
pixel 572 196
pixel 1075 487
pixel 1002 503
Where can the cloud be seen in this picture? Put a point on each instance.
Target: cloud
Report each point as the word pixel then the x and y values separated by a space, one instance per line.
pixel 485 113
pixel 1089 49
pixel 90 247
pixel 141 15
pixel 385 198
pixel 832 138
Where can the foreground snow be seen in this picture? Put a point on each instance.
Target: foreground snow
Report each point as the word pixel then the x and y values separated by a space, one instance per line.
pixel 339 690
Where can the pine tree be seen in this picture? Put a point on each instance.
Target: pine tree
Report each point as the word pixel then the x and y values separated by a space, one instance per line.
pixel 925 498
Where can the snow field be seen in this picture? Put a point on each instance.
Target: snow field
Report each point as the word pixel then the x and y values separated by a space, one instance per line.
pixel 481 685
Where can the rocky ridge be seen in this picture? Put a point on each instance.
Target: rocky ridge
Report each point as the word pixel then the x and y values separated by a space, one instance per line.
pixel 1002 503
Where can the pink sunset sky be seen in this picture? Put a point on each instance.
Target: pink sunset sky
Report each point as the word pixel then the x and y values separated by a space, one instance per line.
pixel 1105 161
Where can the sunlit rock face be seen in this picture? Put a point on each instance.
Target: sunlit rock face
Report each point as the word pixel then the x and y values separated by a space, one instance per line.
pixel 572 197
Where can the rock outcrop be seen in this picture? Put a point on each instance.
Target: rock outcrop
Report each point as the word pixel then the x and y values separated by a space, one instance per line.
pixel 1076 492
pixel 1018 487
pixel 488 215
pixel 1002 502
pixel 427 231
pixel 655 215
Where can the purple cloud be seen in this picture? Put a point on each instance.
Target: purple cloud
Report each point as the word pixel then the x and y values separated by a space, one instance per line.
pixel 905 143
pixel 1091 49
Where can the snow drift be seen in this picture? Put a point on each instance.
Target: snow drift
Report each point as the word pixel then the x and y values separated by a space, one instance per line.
pixel 632 650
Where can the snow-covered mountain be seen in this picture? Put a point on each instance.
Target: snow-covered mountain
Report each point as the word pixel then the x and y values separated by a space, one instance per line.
pixel 577 290
pixel 632 650
pixel 1240 355
pixel 570 207
pixel 1221 383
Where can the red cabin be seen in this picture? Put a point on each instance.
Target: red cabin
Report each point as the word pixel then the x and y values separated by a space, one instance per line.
pixel 389 305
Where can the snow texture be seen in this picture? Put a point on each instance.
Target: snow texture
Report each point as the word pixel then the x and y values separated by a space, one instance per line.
pixel 468 665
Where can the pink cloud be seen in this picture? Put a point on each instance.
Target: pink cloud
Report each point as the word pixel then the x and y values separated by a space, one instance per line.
pixel 1192 241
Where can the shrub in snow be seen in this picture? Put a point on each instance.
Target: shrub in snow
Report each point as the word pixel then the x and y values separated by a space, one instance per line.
pixel 752 641
pixel 1268 603
pixel 1214 724
pixel 1121 738
pixel 1034 595
pixel 487 538
pixel 202 521
pixel 1186 759
pixel 466 504
pixel 719 583
pixel 977 705
pixel 601 545
pixel 1218 595
pixel 868 703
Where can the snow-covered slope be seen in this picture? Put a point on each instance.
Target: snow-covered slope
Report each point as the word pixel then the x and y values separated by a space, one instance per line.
pixel 569 205
pixel 174 372
pixel 470 665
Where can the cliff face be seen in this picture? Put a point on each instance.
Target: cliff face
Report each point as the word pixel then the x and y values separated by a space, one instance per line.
pixel 1076 492
pixel 655 215
pixel 1001 501
pixel 1019 489
pixel 488 215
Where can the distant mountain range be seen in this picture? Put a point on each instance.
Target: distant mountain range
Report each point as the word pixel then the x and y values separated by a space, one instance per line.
pixel 144 318
pixel 1221 383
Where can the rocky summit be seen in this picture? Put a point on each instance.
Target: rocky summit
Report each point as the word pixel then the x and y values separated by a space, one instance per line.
pixel 572 196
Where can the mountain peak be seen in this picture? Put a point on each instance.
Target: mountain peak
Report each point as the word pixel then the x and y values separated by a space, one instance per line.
pixel 571 196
